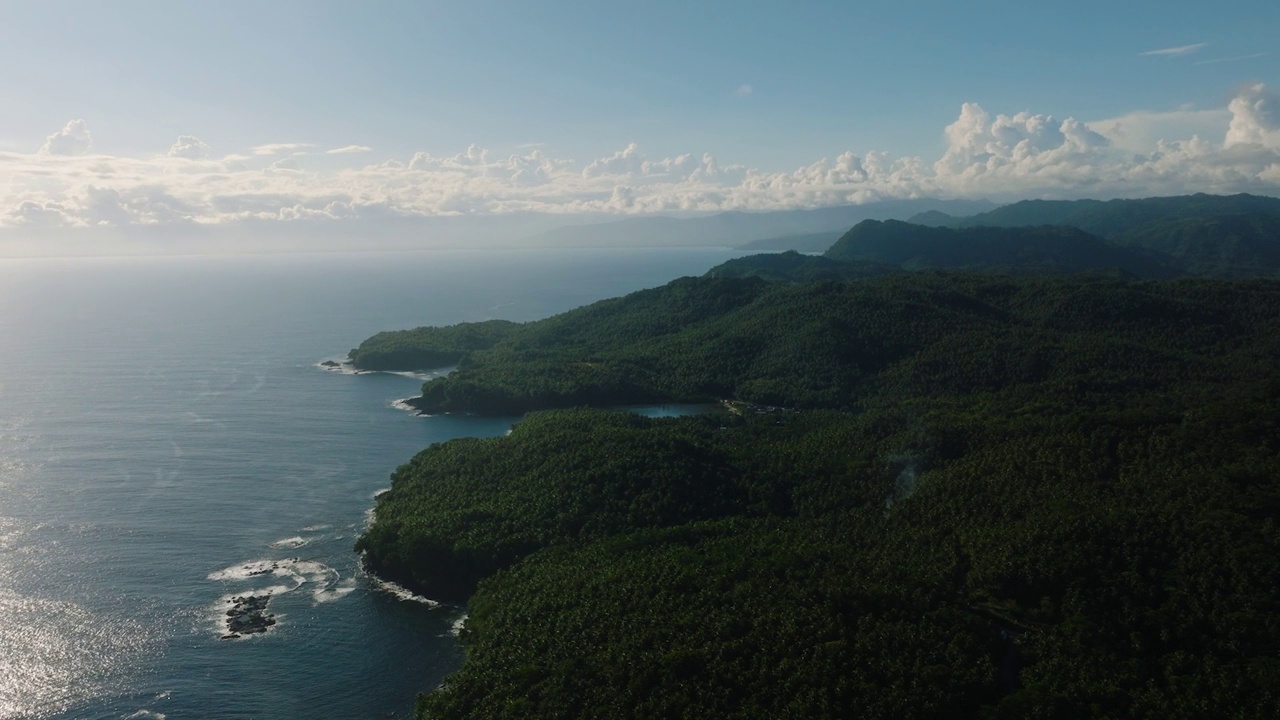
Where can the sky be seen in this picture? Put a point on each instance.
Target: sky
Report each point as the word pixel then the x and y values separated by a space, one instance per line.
pixel 190 115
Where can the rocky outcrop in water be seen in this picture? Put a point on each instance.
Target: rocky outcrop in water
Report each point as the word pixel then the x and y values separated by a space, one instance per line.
pixel 248 615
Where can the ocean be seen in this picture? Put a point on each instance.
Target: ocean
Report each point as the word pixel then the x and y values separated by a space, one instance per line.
pixel 169 441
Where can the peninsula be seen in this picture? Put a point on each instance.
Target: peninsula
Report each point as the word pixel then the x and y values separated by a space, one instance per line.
pixel 1049 490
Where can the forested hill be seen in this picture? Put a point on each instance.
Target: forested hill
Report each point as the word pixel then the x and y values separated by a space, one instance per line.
pixel 1042 249
pixel 1113 218
pixel 1050 497
pixel 831 344
pixel 1223 236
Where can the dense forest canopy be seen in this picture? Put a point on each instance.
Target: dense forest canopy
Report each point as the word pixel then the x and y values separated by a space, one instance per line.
pixel 1208 235
pixel 1040 249
pixel 988 496
pixel 1113 218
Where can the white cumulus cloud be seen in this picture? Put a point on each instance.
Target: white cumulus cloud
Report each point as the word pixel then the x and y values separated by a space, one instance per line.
pixel 992 155
pixel 1255 118
pixel 72 139
pixel 189 147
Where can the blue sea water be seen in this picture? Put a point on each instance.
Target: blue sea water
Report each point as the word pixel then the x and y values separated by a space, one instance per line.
pixel 166 431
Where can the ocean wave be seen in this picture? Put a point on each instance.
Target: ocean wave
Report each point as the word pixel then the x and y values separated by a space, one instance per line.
pixel 252 569
pixel 327 583
pixel 456 628
pixel 403 405
pixel 371 513
pixel 400 591
pixel 423 374
pixel 343 366
pixel 294 542
pixel 335 592
pixel 145 715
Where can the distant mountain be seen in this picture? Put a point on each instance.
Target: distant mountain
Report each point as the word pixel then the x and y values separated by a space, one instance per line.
pixel 792 267
pixel 1113 218
pixel 811 243
pixel 1008 249
pixel 1208 235
pixel 1220 245
pixel 736 228
pixel 933 218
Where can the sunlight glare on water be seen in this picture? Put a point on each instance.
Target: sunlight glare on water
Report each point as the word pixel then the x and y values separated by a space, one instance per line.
pixel 169 443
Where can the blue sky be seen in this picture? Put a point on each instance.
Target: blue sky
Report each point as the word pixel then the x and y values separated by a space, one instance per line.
pixel 764 89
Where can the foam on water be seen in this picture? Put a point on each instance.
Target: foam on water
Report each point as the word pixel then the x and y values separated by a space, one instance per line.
pixel 344 367
pixel 456 628
pixel 294 542
pixel 371 513
pixel 327 583
pixel 400 591
pixel 403 405
pixel 338 591
pixel 244 571
pixel 425 374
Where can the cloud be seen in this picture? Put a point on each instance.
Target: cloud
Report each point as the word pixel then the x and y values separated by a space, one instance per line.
pixel 72 139
pixel 1142 130
pixel 189 147
pixel 1255 118
pixel 473 156
pixel 1215 61
pixel 744 90
pixel 29 213
pixel 1180 50
pixel 280 148
pixel 1000 156
pixel 349 150
pixel 626 161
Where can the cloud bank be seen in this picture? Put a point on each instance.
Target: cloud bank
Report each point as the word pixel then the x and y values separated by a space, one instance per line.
pixel 1000 157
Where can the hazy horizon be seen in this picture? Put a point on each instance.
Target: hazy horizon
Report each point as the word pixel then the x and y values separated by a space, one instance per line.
pixel 398 124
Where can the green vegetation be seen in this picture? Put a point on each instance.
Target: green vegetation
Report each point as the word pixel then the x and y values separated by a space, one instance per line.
pixel 816 345
pixel 1206 235
pixel 1042 249
pixel 1243 245
pixel 1114 218
pixel 1001 496
pixel 792 267
pixel 427 348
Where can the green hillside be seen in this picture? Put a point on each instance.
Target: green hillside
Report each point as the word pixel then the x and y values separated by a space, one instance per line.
pixel 1241 245
pixel 1048 497
pixel 1113 218
pixel 1206 235
pixel 1040 249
